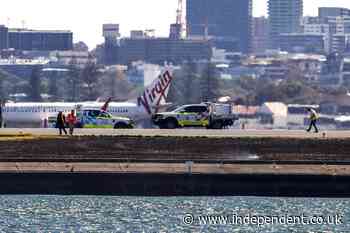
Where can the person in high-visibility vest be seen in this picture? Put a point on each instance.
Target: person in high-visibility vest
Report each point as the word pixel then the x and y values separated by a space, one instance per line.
pixel 72 120
pixel 313 119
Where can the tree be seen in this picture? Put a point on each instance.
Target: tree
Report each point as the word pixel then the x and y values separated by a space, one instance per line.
pixel 113 83
pixel 209 84
pixel 2 95
pixel 2 83
pixel 89 77
pixel 73 81
pixel 2 104
pixel 185 87
pixel 52 86
pixel 189 81
pixel 81 47
pixel 34 93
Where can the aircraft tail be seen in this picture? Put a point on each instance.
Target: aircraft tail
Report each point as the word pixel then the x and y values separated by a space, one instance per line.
pixel 105 105
pixel 154 95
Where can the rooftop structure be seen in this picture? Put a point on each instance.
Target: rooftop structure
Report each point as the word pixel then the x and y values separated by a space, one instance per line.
pixel 111 31
pixel 40 40
pixel 324 12
pixel 157 50
pixel 302 42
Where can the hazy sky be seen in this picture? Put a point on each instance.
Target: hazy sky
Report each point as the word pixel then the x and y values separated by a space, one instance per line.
pixel 85 17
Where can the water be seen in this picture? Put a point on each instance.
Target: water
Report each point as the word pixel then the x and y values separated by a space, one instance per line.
pixel 159 214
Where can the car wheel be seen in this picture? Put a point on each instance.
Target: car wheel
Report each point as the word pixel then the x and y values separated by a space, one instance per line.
pixel 171 124
pixel 121 125
pixel 162 125
pixel 217 125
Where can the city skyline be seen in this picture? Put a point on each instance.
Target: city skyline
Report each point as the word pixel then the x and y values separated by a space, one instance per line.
pixel 85 21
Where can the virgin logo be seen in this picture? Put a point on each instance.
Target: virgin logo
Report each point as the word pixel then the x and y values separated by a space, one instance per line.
pixel 152 96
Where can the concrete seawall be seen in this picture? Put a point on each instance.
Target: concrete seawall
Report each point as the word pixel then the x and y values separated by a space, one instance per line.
pixel 174 184
pixel 163 166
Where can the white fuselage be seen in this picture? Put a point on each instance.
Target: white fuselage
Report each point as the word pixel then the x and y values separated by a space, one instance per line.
pixel 38 112
pixel 152 98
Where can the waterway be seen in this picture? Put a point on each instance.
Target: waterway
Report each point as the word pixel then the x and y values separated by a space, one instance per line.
pixel 37 213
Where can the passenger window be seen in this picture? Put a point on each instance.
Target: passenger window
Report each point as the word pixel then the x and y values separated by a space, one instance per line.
pixel 189 109
pixel 202 109
pixel 196 109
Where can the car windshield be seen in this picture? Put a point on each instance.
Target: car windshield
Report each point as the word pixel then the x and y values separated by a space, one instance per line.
pixel 179 109
pixel 105 115
pixel 93 113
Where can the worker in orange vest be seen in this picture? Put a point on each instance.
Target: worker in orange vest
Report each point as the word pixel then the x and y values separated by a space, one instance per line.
pixel 72 120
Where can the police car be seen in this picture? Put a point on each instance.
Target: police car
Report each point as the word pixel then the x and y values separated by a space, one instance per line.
pixel 209 115
pixel 95 118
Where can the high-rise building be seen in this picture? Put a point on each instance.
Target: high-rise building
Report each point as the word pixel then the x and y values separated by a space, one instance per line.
pixel 260 34
pixel 339 32
pixel 324 12
pixel 285 17
pixel 3 37
pixel 228 23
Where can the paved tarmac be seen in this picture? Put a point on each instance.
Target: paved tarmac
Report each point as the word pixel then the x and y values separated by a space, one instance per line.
pixel 186 132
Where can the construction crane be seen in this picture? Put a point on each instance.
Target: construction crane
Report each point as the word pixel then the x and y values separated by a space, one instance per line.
pixel 177 30
pixel 179 12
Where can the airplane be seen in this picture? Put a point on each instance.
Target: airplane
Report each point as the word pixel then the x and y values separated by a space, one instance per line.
pixel 139 110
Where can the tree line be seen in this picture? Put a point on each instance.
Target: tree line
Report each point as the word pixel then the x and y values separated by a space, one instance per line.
pixel 195 83
pixel 78 83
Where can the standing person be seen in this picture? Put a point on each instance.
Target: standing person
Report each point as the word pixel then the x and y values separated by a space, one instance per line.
pixel 61 122
pixel 72 120
pixel 0 114
pixel 2 106
pixel 313 119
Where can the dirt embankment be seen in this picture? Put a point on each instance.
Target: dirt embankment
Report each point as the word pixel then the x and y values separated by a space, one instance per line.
pixel 126 148
pixel 168 174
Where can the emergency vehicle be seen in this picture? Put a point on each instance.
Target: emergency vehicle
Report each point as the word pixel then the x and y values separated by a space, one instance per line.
pixel 209 115
pixel 96 118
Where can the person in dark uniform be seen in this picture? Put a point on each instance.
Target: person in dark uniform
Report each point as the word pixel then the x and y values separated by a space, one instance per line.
pixel 61 123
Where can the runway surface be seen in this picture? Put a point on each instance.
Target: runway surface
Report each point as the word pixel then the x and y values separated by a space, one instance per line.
pixel 186 132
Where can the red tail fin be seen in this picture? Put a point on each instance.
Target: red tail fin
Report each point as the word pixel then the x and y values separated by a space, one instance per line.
pixel 155 93
pixel 105 106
